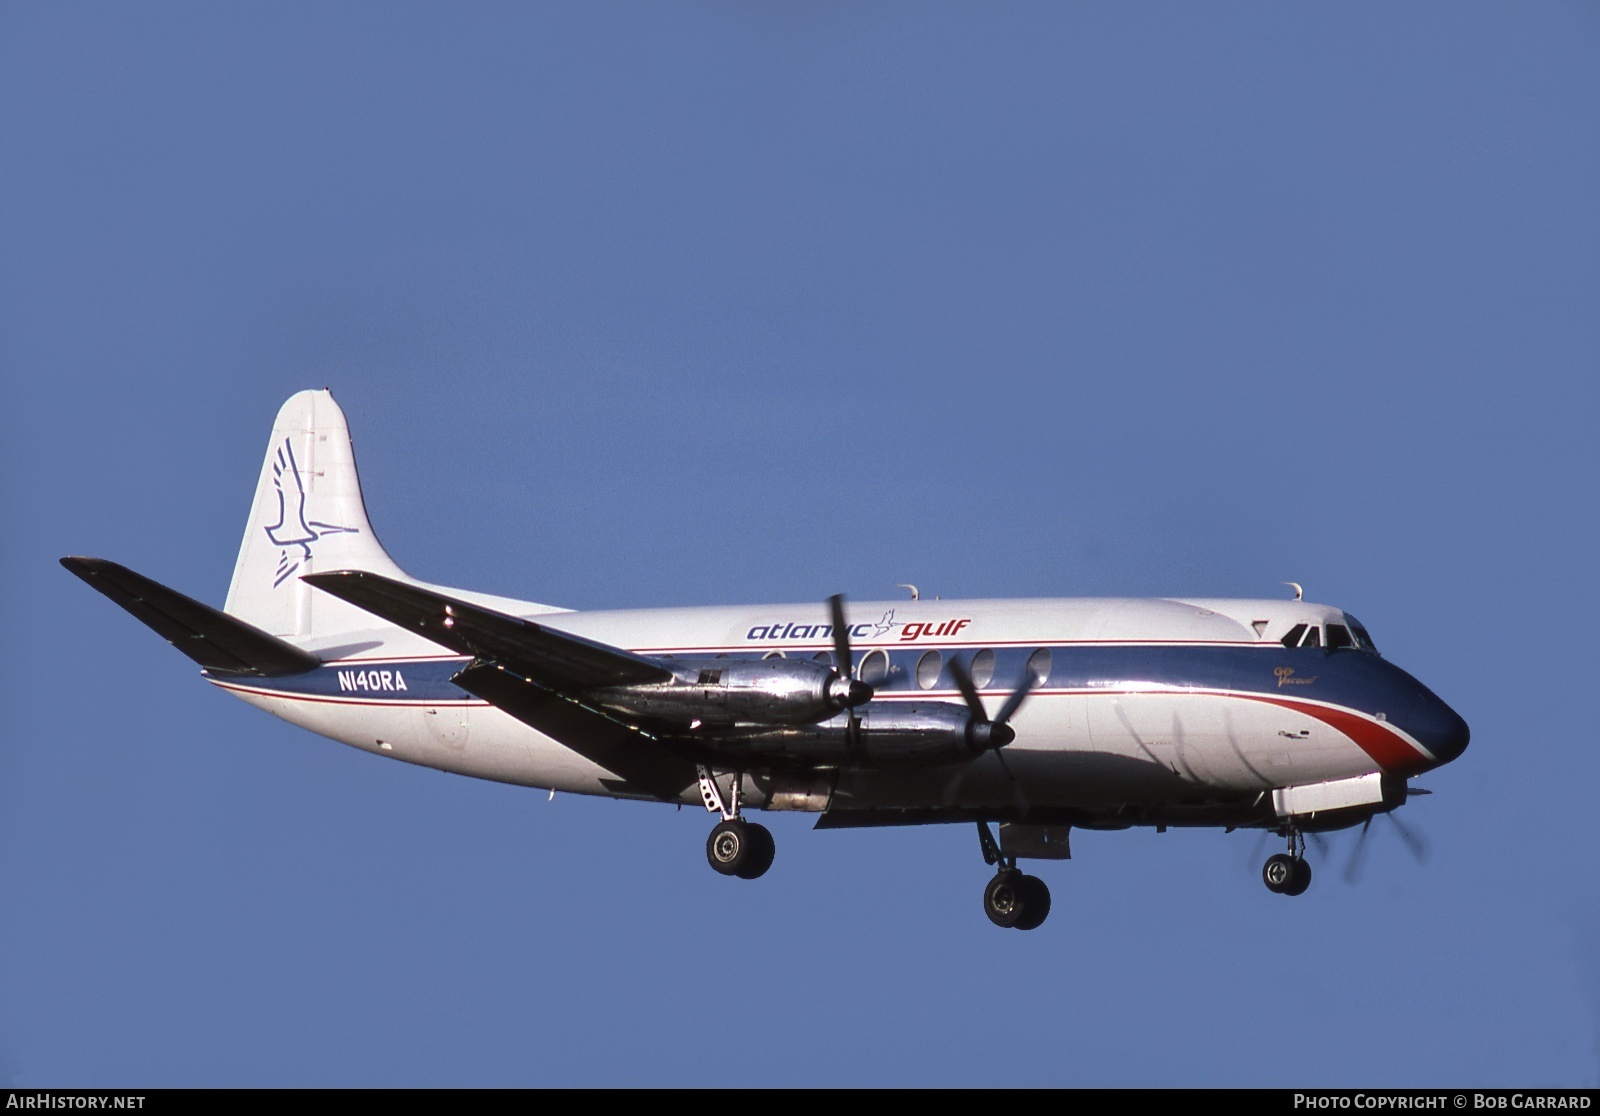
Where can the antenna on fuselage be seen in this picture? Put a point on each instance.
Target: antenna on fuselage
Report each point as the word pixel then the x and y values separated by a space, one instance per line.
pixel 915 595
pixel 1299 593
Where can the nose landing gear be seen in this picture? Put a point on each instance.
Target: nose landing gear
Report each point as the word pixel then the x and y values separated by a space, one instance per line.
pixel 1288 873
pixel 735 847
pixel 1012 899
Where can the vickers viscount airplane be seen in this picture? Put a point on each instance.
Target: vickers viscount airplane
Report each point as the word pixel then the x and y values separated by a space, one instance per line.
pixel 1035 715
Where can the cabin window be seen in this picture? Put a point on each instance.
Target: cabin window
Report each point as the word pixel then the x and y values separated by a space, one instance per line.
pixel 823 657
pixel 1339 637
pixel 928 668
pixel 773 655
pixel 1039 666
pixel 874 668
pixel 1291 638
pixel 982 668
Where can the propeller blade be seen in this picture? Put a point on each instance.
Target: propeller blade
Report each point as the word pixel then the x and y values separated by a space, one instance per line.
pixel 842 661
pixel 1260 847
pixel 1019 798
pixel 1352 870
pixel 1018 696
pixel 969 692
pixel 1414 840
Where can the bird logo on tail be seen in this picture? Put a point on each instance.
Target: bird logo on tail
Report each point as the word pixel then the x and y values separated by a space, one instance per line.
pixel 294 533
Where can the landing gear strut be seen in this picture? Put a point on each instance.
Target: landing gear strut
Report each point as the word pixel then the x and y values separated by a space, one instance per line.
pixel 1288 873
pixel 1012 898
pixel 736 847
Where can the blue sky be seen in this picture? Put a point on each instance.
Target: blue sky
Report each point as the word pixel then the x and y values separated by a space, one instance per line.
pixel 635 304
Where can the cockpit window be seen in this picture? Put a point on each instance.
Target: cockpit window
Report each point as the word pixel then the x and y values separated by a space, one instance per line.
pixel 1363 640
pixel 1313 637
pixel 1291 638
pixel 1339 637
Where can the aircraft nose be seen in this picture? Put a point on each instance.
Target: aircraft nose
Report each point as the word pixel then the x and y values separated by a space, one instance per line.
pixel 1443 731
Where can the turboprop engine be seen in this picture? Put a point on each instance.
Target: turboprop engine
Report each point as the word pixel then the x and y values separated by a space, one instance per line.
pixel 738 691
pixel 877 735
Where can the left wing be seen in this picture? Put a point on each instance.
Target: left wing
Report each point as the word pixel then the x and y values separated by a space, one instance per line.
pixel 534 673
pixel 545 656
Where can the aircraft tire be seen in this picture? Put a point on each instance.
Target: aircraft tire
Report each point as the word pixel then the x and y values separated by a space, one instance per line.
pixel 729 848
pixel 1302 878
pixel 1036 903
pixel 762 849
pixel 1279 873
pixel 1005 899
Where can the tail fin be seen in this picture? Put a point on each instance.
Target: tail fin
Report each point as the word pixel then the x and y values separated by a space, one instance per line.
pixel 308 515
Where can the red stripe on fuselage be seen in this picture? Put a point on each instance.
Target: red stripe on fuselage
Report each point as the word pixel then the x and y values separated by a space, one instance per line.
pixel 1391 751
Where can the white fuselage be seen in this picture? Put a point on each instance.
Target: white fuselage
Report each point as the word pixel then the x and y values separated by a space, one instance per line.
pixel 1181 704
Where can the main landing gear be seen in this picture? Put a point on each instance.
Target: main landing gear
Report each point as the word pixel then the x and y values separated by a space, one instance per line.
pixel 1287 873
pixel 1012 898
pixel 736 847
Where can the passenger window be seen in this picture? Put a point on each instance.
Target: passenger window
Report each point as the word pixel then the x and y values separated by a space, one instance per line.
pixel 1291 638
pixel 928 668
pixel 982 668
pixel 1339 637
pixel 1313 637
pixel 874 669
pixel 1039 666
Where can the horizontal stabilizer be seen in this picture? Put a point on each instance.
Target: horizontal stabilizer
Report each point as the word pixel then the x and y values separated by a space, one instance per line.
pixel 219 642
pixel 549 658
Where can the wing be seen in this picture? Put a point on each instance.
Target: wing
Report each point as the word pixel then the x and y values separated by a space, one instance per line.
pixel 221 643
pixel 542 655
pixel 533 672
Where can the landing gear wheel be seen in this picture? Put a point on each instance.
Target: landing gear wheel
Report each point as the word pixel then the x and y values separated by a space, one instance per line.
pixel 762 850
pixel 1012 899
pixel 730 848
pixel 1279 873
pixel 1004 899
pixel 1035 903
pixel 1302 878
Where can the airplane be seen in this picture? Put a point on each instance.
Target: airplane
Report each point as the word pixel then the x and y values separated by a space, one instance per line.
pixel 1031 716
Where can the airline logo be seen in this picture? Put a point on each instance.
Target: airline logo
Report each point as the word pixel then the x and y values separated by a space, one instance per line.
pixel 872 631
pixel 294 533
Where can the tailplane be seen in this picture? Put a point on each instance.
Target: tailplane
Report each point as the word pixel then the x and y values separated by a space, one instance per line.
pixel 308 516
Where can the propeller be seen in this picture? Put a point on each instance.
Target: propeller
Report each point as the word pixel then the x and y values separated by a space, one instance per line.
pixel 1413 840
pixel 986 734
pixel 849 691
pixel 993 735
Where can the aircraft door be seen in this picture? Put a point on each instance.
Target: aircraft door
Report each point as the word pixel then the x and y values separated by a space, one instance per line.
pixel 448 725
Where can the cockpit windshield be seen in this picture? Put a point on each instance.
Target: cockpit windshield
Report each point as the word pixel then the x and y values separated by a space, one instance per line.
pixel 1363 640
pixel 1339 637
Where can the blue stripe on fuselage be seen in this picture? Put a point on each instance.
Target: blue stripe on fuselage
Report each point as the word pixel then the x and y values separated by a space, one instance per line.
pixel 1352 679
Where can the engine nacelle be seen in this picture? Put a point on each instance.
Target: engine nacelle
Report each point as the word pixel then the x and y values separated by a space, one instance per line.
pixel 737 691
pixel 890 734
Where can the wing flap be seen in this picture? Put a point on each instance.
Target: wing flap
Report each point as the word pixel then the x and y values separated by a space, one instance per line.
pixel 547 657
pixel 221 643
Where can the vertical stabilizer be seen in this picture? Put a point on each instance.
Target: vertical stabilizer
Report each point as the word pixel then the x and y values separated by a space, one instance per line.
pixel 307 516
